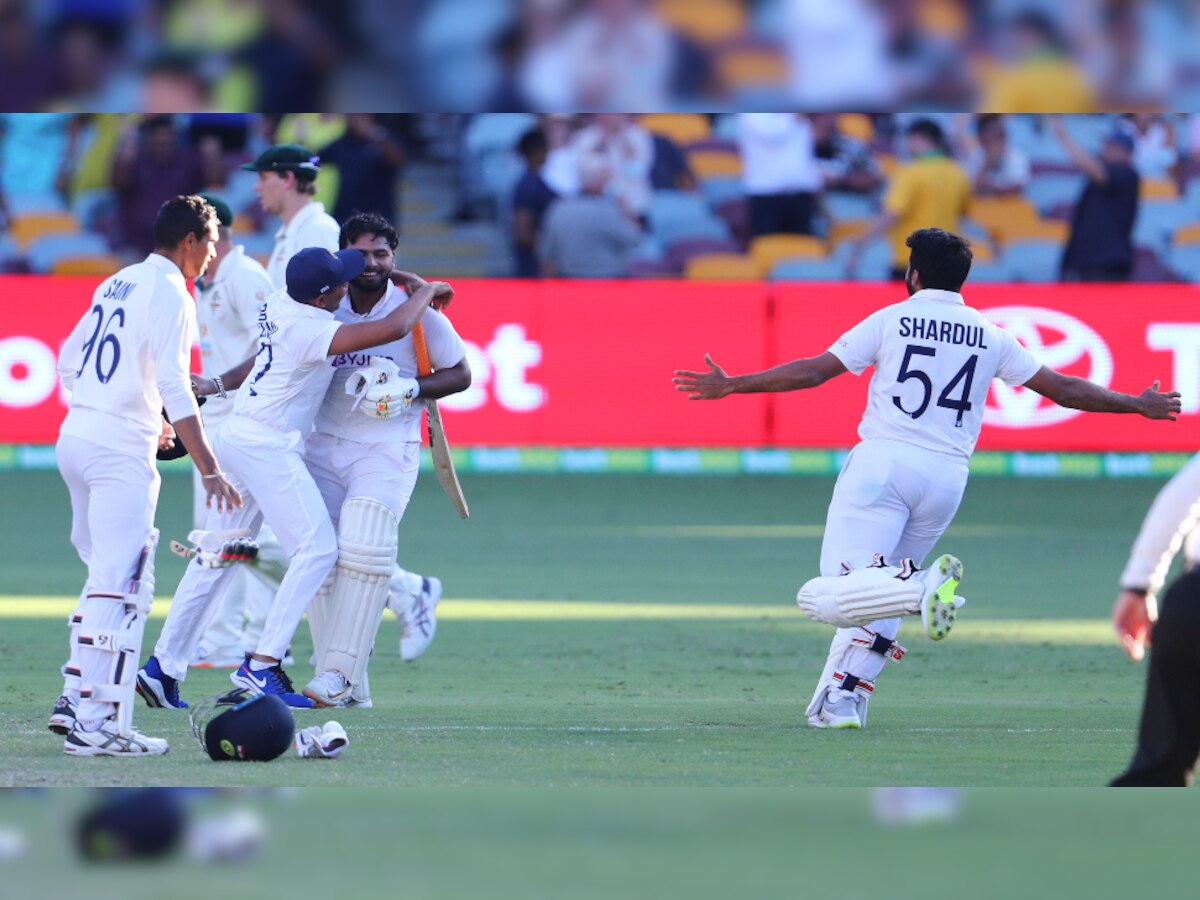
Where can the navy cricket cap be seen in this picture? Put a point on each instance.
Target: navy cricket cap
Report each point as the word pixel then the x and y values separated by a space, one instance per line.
pixel 315 270
pixel 287 158
pixel 1121 138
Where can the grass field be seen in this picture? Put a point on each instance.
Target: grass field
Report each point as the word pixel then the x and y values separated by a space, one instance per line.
pixel 641 630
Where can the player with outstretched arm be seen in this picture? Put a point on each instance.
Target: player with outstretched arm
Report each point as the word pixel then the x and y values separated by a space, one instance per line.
pixel 934 359
pixel 261 445
pixel 124 363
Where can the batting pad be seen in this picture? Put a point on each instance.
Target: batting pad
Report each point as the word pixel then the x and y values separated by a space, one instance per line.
pixel 859 598
pixel 367 542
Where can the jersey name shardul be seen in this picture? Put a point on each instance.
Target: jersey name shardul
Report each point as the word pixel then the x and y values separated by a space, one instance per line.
pixel 943 332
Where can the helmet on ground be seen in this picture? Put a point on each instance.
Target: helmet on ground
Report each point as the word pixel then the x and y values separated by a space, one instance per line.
pixel 240 725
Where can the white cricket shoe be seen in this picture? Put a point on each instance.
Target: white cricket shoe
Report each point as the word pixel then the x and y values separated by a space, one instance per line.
pixel 840 710
pixel 418 624
pixel 107 741
pixel 939 603
pixel 329 688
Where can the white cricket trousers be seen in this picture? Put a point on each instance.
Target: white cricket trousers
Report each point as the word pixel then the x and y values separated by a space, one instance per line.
pixel 113 499
pixel 267 468
pixel 892 498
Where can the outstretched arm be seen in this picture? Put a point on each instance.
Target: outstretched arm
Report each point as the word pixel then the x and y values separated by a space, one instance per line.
pixel 797 375
pixel 1091 165
pixel 1079 393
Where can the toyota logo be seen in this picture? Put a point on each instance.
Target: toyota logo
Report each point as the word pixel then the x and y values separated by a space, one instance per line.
pixel 1056 340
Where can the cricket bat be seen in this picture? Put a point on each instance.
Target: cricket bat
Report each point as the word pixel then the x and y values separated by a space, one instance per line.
pixel 443 465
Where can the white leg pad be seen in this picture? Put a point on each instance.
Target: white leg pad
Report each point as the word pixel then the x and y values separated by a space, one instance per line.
pixel 861 596
pixel 124 643
pixel 318 620
pixel 367 543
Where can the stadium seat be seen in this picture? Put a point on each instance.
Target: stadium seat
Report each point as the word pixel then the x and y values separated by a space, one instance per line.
pixel 24 204
pixel 682 128
pixel 679 253
pixel 718 190
pixel 99 264
pixel 745 66
pixel 848 205
pixel 989 272
pixel 857 126
pixel 1033 260
pixel 722 266
pixel 1184 259
pixel 676 215
pixel 1157 221
pixel 1159 189
pixel 874 260
pixel 828 269
pixel 25 229
pixel 768 249
pixel 1002 214
pixel 45 251
pixel 1053 189
pixel 714 163
pixel 1038 229
pixel 1186 234
pixel 704 21
pixel 842 229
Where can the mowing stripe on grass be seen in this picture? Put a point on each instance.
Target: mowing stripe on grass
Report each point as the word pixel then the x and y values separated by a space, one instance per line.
pixel 1017 631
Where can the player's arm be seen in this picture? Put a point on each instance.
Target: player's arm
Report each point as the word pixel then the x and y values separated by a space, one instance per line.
pixel 1079 393
pixel 798 375
pixel 1091 165
pixel 228 381
pixel 444 382
pixel 395 324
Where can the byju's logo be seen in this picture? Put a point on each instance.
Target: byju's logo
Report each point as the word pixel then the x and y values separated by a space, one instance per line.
pixel 1057 340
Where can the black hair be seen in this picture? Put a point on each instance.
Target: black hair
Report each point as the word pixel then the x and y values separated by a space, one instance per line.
pixel 927 128
pixel 531 142
pixel 984 120
pixel 181 216
pixel 1041 24
pixel 361 223
pixel 942 259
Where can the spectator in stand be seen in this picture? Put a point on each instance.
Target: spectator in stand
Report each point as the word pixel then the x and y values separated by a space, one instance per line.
pixel 531 197
pixel 846 164
pixel 779 172
pixel 369 159
pixel 930 190
pixel 626 150
pixel 996 165
pixel 561 170
pixel 1154 151
pixel 29 76
pixel 670 170
pixel 590 235
pixel 1100 247
pixel 151 167
pixel 35 152
pixel 1038 74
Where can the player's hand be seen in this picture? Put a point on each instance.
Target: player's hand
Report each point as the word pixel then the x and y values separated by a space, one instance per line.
pixel 227 496
pixel 1133 614
pixel 166 440
pixel 442 294
pixel 410 281
pixel 1154 404
pixel 203 387
pixel 711 385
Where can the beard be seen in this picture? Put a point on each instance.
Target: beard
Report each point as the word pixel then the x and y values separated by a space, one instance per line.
pixel 366 282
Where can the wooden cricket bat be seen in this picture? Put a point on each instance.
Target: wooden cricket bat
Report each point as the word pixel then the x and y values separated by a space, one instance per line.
pixel 443 465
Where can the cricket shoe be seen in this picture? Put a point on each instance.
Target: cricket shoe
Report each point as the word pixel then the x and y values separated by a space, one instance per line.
pixel 107 741
pixel 329 688
pixel 157 688
pixel 938 604
pixel 840 710
pixel 272 680
pixel 418 624
pixel 62 720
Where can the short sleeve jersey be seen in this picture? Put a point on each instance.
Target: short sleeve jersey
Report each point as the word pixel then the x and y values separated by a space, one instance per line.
pixel 934 359
pixel 290 373
pixel 127 359
pixel 337 415
pixel 310 227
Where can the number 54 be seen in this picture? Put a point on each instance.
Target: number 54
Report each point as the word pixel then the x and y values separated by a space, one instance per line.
pixel 966 375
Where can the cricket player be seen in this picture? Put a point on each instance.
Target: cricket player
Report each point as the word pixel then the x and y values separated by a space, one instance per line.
pixel 362 449
pixel 286 186
pixel 228 299
pixel 934 359
pixel 261 445
pixel 124 363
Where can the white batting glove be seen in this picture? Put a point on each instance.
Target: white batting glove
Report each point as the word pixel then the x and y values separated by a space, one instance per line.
pixel 322 741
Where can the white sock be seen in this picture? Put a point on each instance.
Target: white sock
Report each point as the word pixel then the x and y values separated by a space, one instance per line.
pixel 257 665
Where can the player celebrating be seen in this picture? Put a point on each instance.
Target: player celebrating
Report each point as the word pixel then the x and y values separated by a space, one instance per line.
pixel 125 362
pixel 934 360
pixel 365 455
pixel 261 446
pixel 227 302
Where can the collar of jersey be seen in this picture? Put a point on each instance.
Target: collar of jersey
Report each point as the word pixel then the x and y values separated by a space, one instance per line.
pixel 222 269
pixel 312 208
pixel 935 294
pixel 161 262
pixel 306 310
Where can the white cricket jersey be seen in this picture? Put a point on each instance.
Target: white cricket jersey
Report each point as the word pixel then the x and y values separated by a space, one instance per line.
pixel 227 305
pixel 337 416
pixel 310 227
pixel 934 360
pixel 290 373
pixel 1170 524
pixel 128 358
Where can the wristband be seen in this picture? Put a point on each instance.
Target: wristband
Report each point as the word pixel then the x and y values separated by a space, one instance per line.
pixel 220 385
pixel 214 475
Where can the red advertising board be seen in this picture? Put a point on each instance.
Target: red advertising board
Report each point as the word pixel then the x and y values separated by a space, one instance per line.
pixel 589 363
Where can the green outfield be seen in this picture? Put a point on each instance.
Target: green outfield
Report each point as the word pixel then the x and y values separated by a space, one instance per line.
pixel 641 630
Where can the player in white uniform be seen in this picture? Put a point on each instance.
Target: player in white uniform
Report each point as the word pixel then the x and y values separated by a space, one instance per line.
pixel 934 360
pixel 353 453
pixel 227 302
pixel 1173 523
pixel 261 446
pixel 124 363
pixel 286 183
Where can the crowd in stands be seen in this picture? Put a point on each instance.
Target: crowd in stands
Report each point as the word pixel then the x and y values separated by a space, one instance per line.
pixel 723 196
